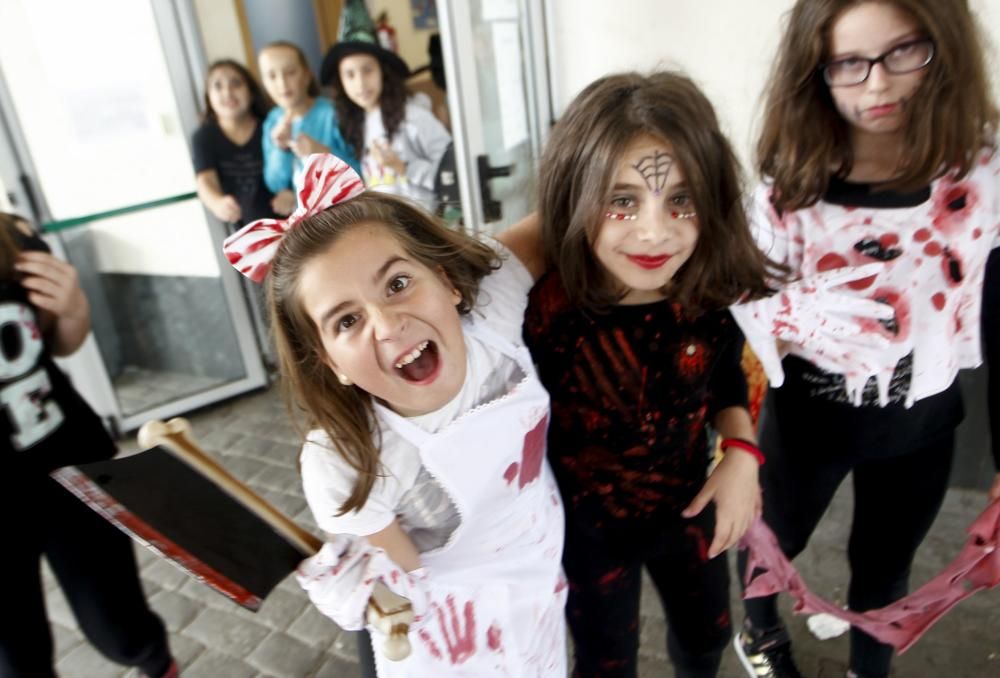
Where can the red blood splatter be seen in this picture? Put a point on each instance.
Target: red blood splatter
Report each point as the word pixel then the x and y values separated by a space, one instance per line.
pixel 394 575
pixel 862 283
pixel 901 321
pixel 698 535
pixel 977 233
pixel 953 204
pixel 626 349
pixel 560 585
pixel 493 638
pixel 923 235
pixel 692 364
pixel 831 261
pixel 431 645
pixel 611 576
pixel 932 249
pixel 460 642
pixel 938 301
pixel 533 452
pixel 888 240
pixel 511 473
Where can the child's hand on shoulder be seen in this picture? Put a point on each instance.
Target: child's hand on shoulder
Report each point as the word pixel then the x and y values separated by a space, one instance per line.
pixel 304 145
pixel 734 487
pixel 283 202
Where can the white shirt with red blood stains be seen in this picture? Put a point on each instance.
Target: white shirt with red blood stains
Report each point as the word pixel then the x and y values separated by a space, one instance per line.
pixel 934 257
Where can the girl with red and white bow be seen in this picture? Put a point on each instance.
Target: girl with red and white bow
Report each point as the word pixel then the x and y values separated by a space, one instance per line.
pixel 400 340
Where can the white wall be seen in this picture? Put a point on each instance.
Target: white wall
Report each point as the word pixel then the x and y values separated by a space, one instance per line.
pixel 412 41
pixel 725 45
pixel 219 24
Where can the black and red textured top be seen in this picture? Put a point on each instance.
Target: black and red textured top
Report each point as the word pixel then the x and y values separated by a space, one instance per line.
pixel 632 390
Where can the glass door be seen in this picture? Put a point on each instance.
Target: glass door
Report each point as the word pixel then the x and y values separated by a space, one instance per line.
pixel 96 125
pixel 495 60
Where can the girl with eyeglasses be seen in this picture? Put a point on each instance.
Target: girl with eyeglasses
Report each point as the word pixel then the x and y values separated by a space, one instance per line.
pixel 878 148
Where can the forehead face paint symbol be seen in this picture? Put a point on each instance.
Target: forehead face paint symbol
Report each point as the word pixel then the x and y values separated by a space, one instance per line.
pixel 654 170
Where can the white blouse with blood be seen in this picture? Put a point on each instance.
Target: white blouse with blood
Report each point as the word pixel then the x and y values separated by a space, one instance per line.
pixel 934 255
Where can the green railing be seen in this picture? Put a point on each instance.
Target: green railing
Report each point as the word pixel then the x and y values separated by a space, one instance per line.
pixel 63 224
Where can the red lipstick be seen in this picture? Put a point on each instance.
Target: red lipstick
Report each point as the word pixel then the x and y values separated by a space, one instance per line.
pixel 649 262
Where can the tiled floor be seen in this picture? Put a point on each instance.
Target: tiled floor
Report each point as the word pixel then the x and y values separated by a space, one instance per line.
pixel 213 638
pixel 140 389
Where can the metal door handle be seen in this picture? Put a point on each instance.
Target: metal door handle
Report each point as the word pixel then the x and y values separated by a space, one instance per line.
pixel 491 208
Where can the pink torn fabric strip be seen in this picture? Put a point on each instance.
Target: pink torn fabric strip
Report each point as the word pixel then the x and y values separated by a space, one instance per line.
pixel 901 624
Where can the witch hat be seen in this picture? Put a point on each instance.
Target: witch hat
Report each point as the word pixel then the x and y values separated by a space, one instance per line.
pixel 357 35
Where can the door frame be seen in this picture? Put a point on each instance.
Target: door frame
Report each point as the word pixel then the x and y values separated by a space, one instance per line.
pixel 177 28
pixel 464 106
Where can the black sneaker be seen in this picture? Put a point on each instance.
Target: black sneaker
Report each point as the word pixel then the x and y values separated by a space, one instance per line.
pixel 765 654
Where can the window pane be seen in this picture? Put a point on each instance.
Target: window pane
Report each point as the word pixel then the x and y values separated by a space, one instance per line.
pixel 93 97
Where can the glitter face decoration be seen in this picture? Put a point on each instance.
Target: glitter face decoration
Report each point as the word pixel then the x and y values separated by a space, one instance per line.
pixel 632 217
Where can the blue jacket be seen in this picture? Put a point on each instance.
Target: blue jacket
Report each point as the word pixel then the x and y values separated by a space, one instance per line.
pixel 320 123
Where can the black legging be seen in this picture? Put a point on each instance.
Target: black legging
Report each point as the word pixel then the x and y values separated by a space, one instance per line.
pixel 95 566
pixel 605 583
pixel 366 655
pixel 896 498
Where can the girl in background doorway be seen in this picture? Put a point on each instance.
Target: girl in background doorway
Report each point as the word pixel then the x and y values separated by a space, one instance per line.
pixel 228 152
pixel 302 122
pixel 399 141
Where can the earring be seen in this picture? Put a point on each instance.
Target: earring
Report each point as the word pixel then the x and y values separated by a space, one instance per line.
pixel 620 217
pixel 342 378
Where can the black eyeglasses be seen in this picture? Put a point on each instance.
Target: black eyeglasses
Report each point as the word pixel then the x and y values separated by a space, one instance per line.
pixel 904 58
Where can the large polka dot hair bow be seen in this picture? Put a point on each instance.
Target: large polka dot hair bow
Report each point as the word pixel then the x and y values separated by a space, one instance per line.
pixel 326 181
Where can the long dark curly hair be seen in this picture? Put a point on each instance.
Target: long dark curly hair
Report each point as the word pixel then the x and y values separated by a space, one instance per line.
pixel 352 117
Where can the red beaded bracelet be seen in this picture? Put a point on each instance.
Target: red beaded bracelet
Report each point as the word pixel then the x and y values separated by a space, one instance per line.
pixel 744 445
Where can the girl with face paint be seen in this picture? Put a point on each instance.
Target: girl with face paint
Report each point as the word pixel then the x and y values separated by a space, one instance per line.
pixel 878 152
pixel 643 245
